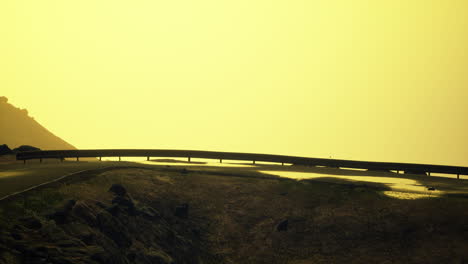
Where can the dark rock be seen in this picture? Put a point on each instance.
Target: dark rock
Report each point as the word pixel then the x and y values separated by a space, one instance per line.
pixel 431 188
pixel 114 210
pixel 61 216
pixel 83 211
pixel 5 150
pixel 125 203
pixel 118 189
pixel 114 229
pixel 282 226
pixel 31 222
pixel 68 206
pixel 182 210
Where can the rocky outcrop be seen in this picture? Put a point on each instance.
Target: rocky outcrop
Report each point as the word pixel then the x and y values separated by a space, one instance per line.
pixel 101 232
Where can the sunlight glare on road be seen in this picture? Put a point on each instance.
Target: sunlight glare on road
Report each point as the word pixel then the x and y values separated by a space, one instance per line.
pixel 6 174
pixel 399 186
pixel 411 196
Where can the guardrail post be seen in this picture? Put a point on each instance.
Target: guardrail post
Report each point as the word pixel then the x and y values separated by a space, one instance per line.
pixel 40 160
pixel 428 173
pixel 188 159
pixel 458 176
pixel 100 158
pixel 282 163
pixel 24 161
pixel 119 158
pixel 253 162
pixel 220 160
pixel 77 159
pixel 147 158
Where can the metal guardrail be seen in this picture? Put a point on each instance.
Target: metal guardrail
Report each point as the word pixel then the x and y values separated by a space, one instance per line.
pixel 370 165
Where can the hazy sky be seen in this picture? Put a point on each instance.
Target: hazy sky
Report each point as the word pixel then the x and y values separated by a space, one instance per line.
pixel 356 79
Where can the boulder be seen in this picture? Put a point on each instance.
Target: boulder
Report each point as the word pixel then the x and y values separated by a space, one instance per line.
pixel 282 226
pixel 125 204
pixel 118 189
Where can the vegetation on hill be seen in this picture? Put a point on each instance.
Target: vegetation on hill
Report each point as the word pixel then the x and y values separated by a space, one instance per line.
pixel 25 148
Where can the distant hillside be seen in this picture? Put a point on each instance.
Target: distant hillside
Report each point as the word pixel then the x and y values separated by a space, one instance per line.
pixel 18 128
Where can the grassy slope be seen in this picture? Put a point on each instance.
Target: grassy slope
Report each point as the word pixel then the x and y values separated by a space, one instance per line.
pixel 328 222
pixel 17 177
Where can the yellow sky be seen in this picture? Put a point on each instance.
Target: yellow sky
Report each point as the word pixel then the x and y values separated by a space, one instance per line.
pixel 356 79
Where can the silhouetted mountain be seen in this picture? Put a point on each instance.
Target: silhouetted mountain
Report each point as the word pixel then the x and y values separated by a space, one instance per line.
pixel 5 150
pixel 17 128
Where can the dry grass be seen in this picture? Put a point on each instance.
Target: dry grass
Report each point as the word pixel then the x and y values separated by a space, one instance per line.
pixel 345 222
pixel 331 223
